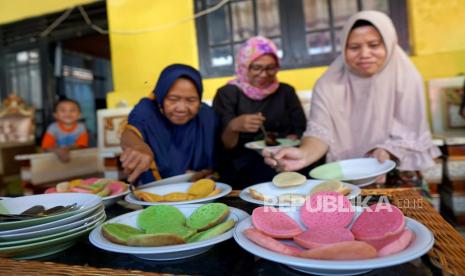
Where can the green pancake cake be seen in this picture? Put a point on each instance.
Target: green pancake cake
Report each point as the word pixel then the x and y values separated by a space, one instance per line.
pixel 119 233
pixel 180 230
pixel 207 216
pixel 213 232
pixel 160 215
pixel 155 240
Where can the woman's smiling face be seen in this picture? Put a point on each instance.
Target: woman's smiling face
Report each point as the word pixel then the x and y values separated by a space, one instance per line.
pixel 182 103
pixel 365 51
pixel 262 71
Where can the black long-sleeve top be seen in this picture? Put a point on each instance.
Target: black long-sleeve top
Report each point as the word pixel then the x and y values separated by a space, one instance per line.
pixel 282 110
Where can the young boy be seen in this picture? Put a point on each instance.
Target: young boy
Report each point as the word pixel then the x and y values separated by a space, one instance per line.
pixel 66 133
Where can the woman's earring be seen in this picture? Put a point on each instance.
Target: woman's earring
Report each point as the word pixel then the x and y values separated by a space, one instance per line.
pixel 160 108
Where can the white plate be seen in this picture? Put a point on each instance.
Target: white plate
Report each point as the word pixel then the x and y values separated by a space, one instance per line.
pixel 51 224
pixel 85 225
pixel 260 144
pixel 19 204
pixel 47 247
pixel 169 180
pixel 270 190
pixel 43 251
pixel 53 229
pixel 110 200
pixel 163 253
pixel 360 171
pixel 179 187
pixel 422 243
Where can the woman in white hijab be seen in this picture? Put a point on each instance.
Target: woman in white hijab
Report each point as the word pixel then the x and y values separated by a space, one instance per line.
pixel 370 102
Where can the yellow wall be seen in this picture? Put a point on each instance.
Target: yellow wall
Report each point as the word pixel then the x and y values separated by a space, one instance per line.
pixel 437 37
pixel 436 34
pixel 440 65
pixel 138 59
pixel 437 26
pixel 13 10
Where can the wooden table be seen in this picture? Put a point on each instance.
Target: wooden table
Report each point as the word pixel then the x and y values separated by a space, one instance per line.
pixel 227 258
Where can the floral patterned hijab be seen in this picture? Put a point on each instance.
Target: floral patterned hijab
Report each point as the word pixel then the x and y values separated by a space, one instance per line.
pixel 254 48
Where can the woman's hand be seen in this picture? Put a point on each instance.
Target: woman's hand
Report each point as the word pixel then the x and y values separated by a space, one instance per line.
pixel 135 160
pixel 242 123
pixel 286 159
pixel 247 122
pixel 382 155
pixel 381 179
pixel 292 159
pixel 293 137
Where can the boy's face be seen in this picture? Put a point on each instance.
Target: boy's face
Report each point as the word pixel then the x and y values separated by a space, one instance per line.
pixel 67 113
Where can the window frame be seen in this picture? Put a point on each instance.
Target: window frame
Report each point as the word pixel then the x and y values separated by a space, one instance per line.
pixel 293 40
pixel 203 39
pixel 24 35
pixel 41 114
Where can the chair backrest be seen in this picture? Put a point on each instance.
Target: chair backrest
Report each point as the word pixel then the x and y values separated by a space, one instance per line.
pixel 45 168
pixel 445 95
pixel 110 125
pixel 16 120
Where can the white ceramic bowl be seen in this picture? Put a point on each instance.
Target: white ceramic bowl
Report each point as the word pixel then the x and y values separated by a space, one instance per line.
pixel 270 190
pixel 359 171
pixel 110 200
pixel 49 225
pixel 85 225
pixel 19 204
pixel 163 253
pixel 50 230
pixel 47 247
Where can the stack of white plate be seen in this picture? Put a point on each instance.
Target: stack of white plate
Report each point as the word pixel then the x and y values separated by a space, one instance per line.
pixel 38 237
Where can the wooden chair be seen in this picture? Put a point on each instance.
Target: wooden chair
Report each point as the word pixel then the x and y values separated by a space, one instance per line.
pixel 16 135
pixel 448 126
pixel 42 170
pixel 111 123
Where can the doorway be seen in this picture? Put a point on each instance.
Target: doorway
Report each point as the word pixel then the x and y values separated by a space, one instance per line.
pixel 72 60
pixel 84 75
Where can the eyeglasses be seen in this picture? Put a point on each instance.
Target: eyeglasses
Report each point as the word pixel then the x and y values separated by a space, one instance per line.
pixel 258 69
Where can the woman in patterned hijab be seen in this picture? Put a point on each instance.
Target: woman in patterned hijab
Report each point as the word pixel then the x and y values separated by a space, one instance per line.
pixel 253 99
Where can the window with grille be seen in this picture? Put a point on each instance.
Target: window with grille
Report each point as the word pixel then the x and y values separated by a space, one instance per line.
pixel 23 77
pixel 306 32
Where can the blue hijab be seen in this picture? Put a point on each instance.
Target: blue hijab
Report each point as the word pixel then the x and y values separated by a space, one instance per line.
pixel 177 148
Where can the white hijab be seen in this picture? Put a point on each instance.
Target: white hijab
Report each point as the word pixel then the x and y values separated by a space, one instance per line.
pixel 354 115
